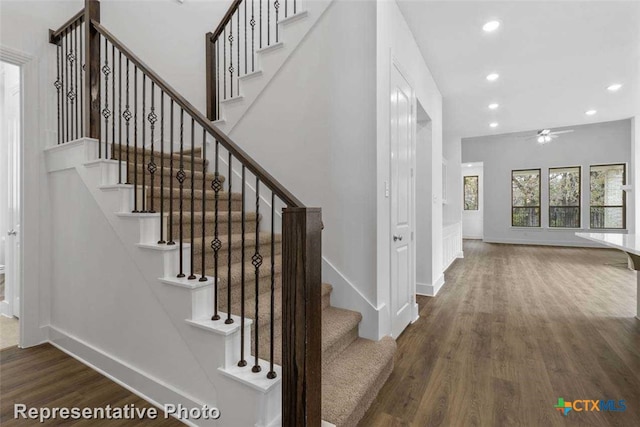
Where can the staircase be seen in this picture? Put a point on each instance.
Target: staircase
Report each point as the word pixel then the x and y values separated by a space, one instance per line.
pixel 208 227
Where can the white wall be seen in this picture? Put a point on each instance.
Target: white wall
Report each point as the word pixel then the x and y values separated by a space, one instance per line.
pixel 598 143
pixel 395 42
pixel 314 128
pixel 424 195
pixel 452 151
pixel 24 36
pixel 472 221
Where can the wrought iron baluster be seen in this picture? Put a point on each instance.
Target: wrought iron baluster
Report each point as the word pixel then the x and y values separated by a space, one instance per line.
pixel 106 113
pixel 193 190
pixel 66 88
pixel 295 4
pixel 170 240
pixel 238 48
pixel 272 373
pixel 135 139
pixel 81 63
pixel 252 22
pixel 242 361
pixel 276 6
pixel 162 241
pixel 268 23
pixel 217 48
pixel 58 85
pixel 216 185
pixel 224 66
pixel 203 277
pixel 231 58
pixel 245 37
pixel 260 26
pixel 144 126
pixel 229 189
pixel 127 117
pixel 286 8
pixel 180 176
pixel 152 167
pixel 75 72
pixel 113 96
pixel 119 117
pixel 256 260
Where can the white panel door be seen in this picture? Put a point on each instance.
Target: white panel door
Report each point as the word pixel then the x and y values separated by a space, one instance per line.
pixel 402 157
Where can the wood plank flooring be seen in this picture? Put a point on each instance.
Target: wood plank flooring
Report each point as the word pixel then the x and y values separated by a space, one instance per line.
pixel 514 329
pixel 44 376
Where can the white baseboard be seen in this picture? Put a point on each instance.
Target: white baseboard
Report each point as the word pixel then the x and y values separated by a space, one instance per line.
pixel 508 241
pixel 472 237
pixel 460 254
pixel 346 295
pixel 430 290
pixel 139 383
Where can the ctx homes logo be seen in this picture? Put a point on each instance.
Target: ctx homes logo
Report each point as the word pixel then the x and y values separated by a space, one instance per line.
pixel 588 405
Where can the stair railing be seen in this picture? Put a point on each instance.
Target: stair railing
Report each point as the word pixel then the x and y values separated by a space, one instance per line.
pixel 105 92
pixel 246 28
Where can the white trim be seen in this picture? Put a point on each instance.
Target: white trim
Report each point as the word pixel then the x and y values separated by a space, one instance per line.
pixel 472 237
pixel 147 387
pixel 586 244
pixel 430 290
pixel 293 18
pixel 14 56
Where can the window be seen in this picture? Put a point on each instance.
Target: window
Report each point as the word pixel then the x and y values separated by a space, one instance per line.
pixel 470 193
pixel 525 198
pixel 564 197
pixel 607 196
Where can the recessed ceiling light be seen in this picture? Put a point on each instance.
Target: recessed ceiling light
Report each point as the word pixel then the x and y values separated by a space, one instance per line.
pixel 590 112
pixel 493 125
pixel 491 26
pixel 493 77
pixel 614 87
pixel 493 106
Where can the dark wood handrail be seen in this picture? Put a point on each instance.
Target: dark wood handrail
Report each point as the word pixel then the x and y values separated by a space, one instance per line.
pixel 225 19
pixel 55 35
pixel 285 195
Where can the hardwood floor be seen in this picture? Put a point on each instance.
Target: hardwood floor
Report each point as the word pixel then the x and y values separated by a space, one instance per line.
pixel 514 329
pixel 43 376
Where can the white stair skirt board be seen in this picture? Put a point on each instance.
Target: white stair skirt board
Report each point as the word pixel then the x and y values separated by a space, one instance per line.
pixel 430 290
pixel 213 348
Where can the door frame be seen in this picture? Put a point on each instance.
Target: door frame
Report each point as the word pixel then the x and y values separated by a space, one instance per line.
pixel 396 66
pixel 28 79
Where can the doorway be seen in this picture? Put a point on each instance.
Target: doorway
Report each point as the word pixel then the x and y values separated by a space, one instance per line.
pixel 473 204
pixel 402 144
pixel 10 253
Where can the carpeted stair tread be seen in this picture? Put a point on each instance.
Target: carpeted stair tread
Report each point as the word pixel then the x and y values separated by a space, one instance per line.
pixel 157 155
pixel 197 194
pixel 236 271
pixel 351 382
pixel 339 329
pixel 223 217
pixel 166 171
pixel 236 242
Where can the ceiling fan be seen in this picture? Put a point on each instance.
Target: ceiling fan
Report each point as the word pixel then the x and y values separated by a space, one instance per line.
pixel 545 136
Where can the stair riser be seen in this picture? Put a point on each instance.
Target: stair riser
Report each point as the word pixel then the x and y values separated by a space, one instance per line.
pixel 236 205
pixel 223 227
pixel 264 288
pixel 236 256
pixel 167 181
pixel 157 158
pixel 330 353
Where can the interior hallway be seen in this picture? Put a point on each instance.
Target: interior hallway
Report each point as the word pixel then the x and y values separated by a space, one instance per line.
pixel 514 329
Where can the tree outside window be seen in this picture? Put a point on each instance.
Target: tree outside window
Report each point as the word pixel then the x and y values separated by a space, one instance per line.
pixel 525 198
pixel 470 193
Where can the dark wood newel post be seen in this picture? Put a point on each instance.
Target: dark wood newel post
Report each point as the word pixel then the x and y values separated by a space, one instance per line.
pixel 301 315
pixel 210 77
pixel 92 70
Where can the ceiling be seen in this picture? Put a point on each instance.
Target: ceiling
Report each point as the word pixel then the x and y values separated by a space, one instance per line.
pixel 555 61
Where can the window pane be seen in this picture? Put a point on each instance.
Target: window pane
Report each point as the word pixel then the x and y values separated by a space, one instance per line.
pixel 470 193
pixel 564 197
pixel 606 185
pixel 564 187
pixel 566 217
pixel 525 217
pixel 526 188
pixel 607 217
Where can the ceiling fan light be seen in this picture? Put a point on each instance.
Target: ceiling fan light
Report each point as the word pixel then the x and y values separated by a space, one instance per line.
pixel 491 26
pixel 541 139
pixel 493 106
pixel 493 77
pixel 614 87
pixel 547 138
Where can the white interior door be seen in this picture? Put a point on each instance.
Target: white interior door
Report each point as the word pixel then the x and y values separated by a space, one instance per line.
pixel 10 139
pixel 402 247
